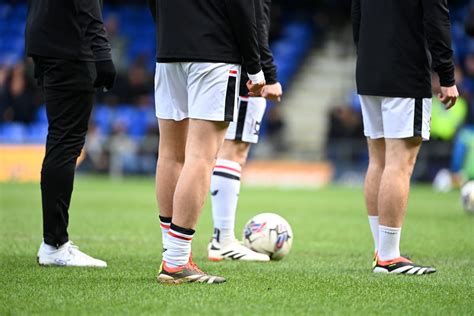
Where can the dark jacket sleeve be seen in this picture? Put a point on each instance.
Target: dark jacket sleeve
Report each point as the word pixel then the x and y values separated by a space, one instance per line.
pixel 469 24
pixel 244 25
pixel 91 13
pixel 438 35
pixel 152 7
pixel 263 11
pixel 355 15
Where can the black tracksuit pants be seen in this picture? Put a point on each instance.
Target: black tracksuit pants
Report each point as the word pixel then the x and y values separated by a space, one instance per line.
pixel 68 88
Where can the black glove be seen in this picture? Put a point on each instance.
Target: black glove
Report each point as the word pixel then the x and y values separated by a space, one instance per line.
pixel 105 74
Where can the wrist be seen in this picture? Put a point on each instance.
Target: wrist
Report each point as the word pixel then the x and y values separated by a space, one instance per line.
pixel 257 78
pixel 270 82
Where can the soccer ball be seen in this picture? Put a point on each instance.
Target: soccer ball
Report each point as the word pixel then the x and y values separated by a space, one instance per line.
pixel 467 197
pixel 269 234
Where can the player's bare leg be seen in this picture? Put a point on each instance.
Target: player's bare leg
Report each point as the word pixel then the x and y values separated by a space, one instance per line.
pixel 235 150
pixel 225 189
pixel 172 147
pixel 372 184
pixel 400 158
pixel 204 140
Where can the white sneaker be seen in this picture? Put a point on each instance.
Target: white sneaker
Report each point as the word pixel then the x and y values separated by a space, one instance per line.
pixel 68 255
pixel 233 251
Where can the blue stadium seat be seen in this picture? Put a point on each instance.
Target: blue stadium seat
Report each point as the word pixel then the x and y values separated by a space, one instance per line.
pixel 40 116
pixel 36 133
pixel 5 11
pixel 13 133
pixel 125 115
pixel 141 122
pixel 103 116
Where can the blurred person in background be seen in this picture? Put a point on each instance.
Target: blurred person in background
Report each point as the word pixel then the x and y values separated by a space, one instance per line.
pixel 3 92
pixel 444 123
pixel 17 95
pixel 345 141
pixel 201 45
pixel 118 43
pixel 72 57
pixel 225 181
pixel 122 151
pixel 275 130
pixel 469 24
pixel 131 87
pixel 96 158
pixel 394 84
pixel 138 86
pixel 462 162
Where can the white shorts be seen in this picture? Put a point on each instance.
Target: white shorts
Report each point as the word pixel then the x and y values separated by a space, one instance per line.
pixel 205 91
pixel 248 123
pixel 395 117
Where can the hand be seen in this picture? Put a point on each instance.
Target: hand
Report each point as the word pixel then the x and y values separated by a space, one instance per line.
pixel 105 74
pixel 448 96
pixel 272 92
pixel 255 89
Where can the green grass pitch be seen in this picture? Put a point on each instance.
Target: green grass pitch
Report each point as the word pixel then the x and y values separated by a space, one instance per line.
pixel 327 271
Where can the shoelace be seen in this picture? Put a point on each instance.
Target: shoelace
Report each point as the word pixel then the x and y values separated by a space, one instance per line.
pixel 72 247
pixel 74 251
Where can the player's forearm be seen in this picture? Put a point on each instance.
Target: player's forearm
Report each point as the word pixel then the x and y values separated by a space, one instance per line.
pixel 242 16
pixel 100 45
pixel 95 30
pixel 438 35
pixel 268 66
pixel 266 57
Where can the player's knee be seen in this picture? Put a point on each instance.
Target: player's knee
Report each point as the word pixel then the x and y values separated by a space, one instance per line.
pixel 377 164
pixel 171 153
pixel 199 161
pixel 400 167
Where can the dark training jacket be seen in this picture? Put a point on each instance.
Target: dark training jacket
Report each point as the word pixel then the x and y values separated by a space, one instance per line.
pixel 398 42
pixel 222 31
pixel 66 29
pixel 262 14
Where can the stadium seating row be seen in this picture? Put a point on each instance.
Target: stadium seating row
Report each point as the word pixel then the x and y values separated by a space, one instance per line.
pixel 289 51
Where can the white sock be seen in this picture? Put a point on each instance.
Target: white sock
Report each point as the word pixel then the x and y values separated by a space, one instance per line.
pixel 224 236
pixel 225 189
pixel 389 242
pixel 178 246
pixel 374 227
pixel 165 223
pixel 51 249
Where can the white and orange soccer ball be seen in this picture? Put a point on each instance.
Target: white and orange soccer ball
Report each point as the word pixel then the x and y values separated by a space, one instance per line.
pixel 269 234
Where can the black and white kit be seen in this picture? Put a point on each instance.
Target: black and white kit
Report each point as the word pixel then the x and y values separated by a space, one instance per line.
pixel 398 43
pixel 201 47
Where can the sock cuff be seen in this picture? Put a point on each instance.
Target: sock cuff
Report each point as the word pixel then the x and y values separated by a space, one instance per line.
pixel 186 232
pixel 227 169
pixel 389 230
pixel 165 220
pixel 373 217
pixel 228 165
